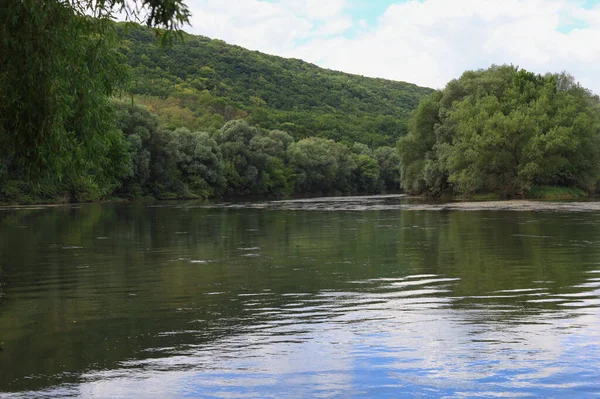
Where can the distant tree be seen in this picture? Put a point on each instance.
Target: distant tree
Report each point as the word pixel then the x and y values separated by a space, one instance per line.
pixel 315 165
pixel 388 159
pixel 254 159
pixel 367 179
pixel 199 162
pixel 322 166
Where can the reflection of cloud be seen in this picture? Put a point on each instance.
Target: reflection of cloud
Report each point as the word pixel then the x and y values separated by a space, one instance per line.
pixel 404 335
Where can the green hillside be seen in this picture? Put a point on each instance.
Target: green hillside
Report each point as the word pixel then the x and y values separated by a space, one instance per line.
pixel 200 83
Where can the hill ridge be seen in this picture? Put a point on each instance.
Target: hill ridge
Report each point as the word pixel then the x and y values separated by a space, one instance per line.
pixel 201 83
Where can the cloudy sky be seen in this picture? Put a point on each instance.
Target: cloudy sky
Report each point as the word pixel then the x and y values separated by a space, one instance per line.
pixel 427 42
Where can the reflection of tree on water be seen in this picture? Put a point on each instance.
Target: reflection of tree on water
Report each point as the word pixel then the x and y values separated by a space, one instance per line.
pixel 1 284
pixel 154 282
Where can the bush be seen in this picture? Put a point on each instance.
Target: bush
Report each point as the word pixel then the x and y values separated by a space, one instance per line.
pixel 554 193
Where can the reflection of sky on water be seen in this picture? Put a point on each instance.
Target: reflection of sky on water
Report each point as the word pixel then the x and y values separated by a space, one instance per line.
pixel 402 337
pixel 318 304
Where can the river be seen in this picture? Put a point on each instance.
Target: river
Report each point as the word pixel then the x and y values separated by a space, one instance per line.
pixel 379 297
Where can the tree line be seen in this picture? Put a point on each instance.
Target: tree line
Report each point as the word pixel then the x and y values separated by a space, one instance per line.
pixel 240 159
pixel 144 158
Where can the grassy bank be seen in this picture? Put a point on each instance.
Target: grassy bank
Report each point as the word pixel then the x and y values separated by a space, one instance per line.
pixel 554 193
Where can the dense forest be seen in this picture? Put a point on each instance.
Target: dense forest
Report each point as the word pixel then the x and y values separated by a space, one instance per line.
pixel 504 130
pixel 201 83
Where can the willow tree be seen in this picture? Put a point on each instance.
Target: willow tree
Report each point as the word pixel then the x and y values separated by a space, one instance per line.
pixel 58 68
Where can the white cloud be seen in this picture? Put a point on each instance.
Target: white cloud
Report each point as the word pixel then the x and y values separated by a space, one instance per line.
pixel 273 27
pixel 315 9
pixel 334 26
pixel 258 25
pixel 426 42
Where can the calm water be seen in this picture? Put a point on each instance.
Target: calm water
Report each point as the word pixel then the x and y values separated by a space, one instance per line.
pixel 179 301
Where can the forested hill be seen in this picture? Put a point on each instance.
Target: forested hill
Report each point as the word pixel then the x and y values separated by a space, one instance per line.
pixel 200 83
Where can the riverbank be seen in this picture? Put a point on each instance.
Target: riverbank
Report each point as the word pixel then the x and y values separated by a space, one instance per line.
pixel 361 203
pixel 234 199
pixel 541 193
pixel 402 202
pixel 62 203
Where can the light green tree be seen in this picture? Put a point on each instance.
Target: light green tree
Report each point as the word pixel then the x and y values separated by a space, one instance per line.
pixel 503 130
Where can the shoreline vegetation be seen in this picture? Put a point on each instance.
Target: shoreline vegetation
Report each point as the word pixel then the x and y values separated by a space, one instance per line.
pixel 555 193
pixel 544 193
pixel 207 120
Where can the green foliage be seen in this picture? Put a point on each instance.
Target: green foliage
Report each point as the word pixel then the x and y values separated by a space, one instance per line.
pixel 503 130
pixel 388 159
pixel 324 166
pixel 240 160
pixel 367 174
pixel 171 15
pixel 58 68
pixel 58 73
pixel 167 163
pixel 201 83
pixel 554 193
pixel 199 162
pixel 255 159
pixel 315 163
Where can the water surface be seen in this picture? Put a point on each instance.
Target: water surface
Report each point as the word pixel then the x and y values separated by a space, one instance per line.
pixel 370 297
